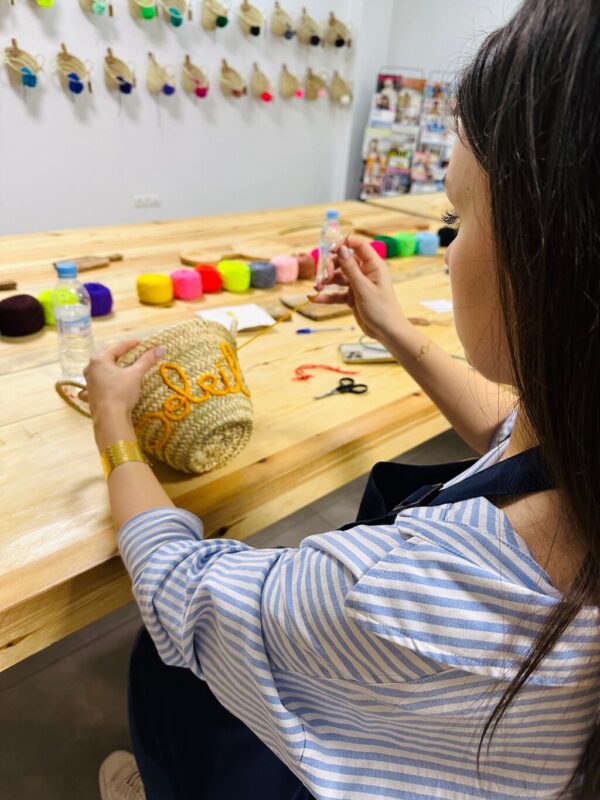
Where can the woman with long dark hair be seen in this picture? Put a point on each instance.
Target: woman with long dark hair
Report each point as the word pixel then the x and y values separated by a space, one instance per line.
pixel 447 644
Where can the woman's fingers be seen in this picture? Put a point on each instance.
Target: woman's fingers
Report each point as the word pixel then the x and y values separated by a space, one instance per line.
pixel 83 396
pixel 119 349
pixel 331 297
pixel 148 359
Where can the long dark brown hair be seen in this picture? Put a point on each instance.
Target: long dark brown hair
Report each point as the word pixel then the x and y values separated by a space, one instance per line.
pixel 529 108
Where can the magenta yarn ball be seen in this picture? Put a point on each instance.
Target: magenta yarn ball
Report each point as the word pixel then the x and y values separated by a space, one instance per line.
pixel 286 268
pixel 187 284
pixel 380 248
pixel 315 254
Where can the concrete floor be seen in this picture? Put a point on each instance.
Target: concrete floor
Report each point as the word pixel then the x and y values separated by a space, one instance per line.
pixel 63 710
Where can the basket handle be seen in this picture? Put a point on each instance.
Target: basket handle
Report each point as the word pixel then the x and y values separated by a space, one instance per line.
pixel 79 405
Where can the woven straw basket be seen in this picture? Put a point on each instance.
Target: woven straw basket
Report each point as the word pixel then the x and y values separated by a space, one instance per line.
pixel 289 84
pixel 116 71
pixel 212 10
pixel 17 58
pixel 309 30
pixel 281 23
pixel 214 429
pixel 232 82
pixel 67 63
pixel 195 412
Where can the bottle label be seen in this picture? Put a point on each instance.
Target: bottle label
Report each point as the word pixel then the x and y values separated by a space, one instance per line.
pixel 74 326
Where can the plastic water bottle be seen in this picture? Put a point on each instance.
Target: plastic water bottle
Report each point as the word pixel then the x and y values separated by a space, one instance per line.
pixel 330 235
pixel 73 317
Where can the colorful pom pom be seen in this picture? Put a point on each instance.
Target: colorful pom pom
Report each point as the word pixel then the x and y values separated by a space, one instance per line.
pixel 427 243
pixel 380 248
pixel 263 274
pixel 287 268
pixel 101 297
pixel 210 277
pixel 154 289
pixel 187 284
pixel 235 274
pixel 21 315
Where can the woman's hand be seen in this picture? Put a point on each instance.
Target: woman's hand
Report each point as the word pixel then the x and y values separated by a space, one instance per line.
pixel 367 289
pixel 112 391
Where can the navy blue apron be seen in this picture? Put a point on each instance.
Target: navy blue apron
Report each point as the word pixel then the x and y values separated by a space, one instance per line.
pixel 188 746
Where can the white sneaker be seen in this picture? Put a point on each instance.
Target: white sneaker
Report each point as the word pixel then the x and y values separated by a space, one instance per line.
pixel 120 779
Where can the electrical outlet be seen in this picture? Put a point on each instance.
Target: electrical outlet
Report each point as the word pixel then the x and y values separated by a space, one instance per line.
pixel 146 200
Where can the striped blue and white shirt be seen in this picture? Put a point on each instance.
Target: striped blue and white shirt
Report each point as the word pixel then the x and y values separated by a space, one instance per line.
pixel 369 660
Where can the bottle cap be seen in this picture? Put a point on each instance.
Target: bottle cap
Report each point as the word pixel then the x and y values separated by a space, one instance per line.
pixel 333 214
pixel 66 269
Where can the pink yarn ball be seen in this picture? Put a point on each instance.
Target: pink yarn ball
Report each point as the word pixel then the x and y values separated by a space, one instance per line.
pixel 379 248
pixel 300 93
pixel 286 268
pixel 187 284
pixel 201 91
pixel 315 254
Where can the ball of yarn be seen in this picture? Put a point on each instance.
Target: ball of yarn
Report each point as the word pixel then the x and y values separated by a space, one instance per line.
pixel 307 268
pixel 263 274
pixel 380 248
pixel 407 243
pixel 201 91
pixel 315 40
pixel 101 297
pixel 46 299
pixel 235 274
pixel 147 12
pixel 315 255
pixel 155 289
pixel 447 236
pixel 221 21
pixel 21 315
pixel 391 245
pixel 168 89
pixel 210 277
pixel 286 268
pixel 427 243
pixel 266 97
pixel 187 284
pixel 255 30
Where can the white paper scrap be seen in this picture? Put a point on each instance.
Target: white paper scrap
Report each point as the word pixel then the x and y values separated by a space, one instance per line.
pixel 439 306
pixel 248 315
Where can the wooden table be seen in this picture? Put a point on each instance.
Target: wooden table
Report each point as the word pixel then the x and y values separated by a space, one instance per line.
pixel 59 569
pixel 429 206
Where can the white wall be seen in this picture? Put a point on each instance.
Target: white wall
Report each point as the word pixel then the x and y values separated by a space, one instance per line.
pixel 69 161
pixel 73 161
pixel 441 34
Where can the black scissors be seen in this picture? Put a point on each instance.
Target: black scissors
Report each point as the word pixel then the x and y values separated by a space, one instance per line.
pixel 346 386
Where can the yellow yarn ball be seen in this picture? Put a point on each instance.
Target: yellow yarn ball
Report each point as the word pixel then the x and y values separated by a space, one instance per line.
pixel 155 289
pixel 236 275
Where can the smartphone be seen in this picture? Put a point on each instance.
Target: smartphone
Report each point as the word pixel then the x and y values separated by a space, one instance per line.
pixel 359 353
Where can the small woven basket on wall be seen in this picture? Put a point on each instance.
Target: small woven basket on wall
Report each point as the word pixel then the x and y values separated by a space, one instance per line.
pixel 232 83
pixel 281 23
pixel 251 19
pixel 309 32
pixel 214 15
pixel 73 72
pixel 118 74
pixel 19 61
pixel 195 411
